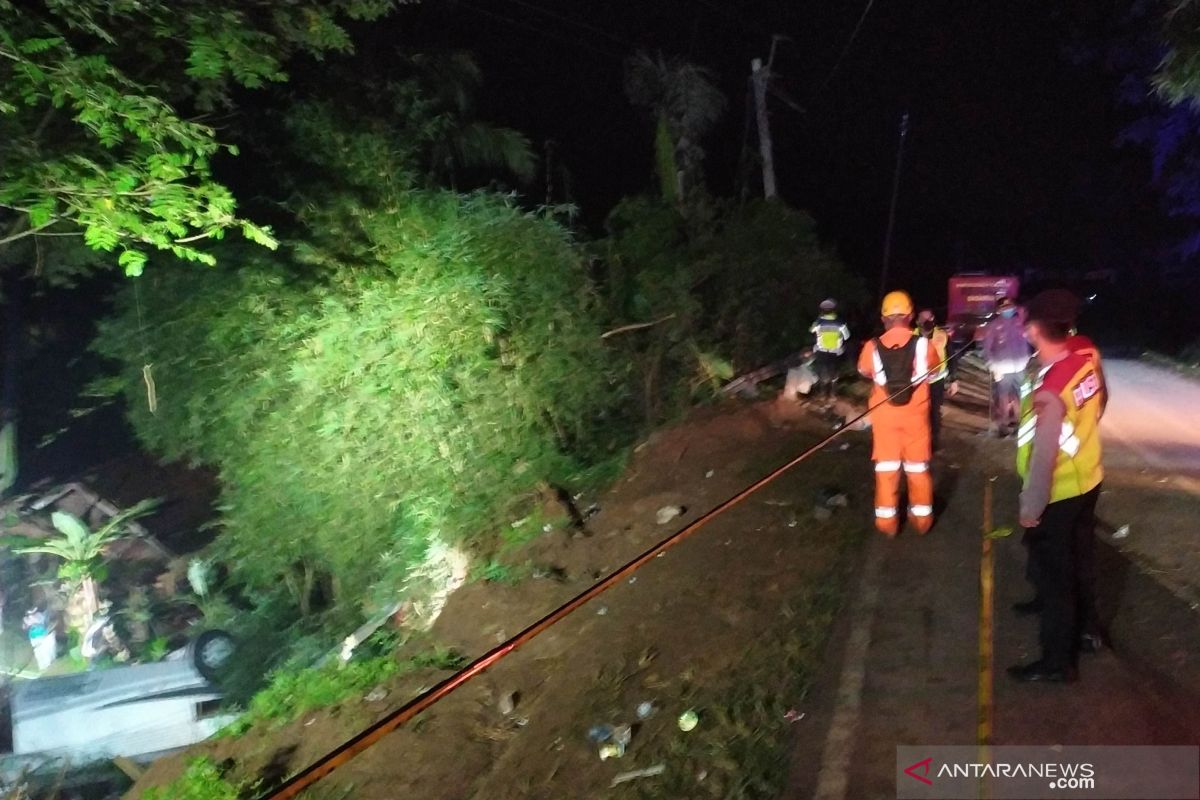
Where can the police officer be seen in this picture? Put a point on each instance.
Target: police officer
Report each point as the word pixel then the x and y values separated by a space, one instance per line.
pixel 1059 461
pixel 831 335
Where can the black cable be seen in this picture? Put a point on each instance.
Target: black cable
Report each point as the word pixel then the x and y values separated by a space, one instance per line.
pixel 845 51
pixel 572 42
pixel 576 22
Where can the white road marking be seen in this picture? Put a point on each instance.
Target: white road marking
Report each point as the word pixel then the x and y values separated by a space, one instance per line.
pixel 839 743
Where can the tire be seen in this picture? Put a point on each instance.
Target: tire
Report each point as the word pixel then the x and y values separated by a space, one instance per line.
pixel 210 653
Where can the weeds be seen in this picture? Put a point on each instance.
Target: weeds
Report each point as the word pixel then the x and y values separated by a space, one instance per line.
pixel 291 693
pixel 202 780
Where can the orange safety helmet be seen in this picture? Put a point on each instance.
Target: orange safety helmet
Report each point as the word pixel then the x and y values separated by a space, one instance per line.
pixel 897 304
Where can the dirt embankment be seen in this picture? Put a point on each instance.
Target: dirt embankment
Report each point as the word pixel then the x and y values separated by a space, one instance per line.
pixel 730 623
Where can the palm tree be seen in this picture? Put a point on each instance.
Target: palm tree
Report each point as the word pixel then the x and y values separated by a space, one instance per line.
pixel 685 105
pixel 82 552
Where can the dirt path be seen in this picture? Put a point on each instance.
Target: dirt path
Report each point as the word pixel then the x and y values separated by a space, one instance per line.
pixel 914 680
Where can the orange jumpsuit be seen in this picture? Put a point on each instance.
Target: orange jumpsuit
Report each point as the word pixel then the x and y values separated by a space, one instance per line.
pixel 901 436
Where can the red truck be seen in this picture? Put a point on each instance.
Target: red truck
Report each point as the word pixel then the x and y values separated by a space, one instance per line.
pixel 972 302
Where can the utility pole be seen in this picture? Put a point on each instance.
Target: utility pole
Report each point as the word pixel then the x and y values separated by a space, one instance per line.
pixel 760 76
pixel 891 225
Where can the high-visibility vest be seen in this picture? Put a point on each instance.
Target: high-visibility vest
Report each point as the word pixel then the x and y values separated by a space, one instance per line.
pixel 941 344
pixel 1078 469
pixel 831 333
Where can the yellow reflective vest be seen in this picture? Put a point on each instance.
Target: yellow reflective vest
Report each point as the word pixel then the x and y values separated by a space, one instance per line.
pixel 1077 469
pixel 941 345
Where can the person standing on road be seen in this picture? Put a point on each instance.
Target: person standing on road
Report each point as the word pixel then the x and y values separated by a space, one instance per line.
pixel 1059 461
pixel 1007 355
pixel 828 348
pixel 899 363
pixel 941 382
pixel 1094 638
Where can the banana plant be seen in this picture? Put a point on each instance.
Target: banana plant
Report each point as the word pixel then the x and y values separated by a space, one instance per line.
pixel 82 551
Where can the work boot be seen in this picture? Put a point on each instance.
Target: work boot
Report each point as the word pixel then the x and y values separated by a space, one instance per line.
pixel 1041 672
pixel 1028 608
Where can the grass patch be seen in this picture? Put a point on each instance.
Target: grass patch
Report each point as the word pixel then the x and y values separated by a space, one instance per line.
pixel 1188 365
pixel 291 693
pixel 740 749
pixel 202 780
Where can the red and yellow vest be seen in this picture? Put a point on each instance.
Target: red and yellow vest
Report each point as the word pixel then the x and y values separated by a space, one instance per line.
pixel 1078 469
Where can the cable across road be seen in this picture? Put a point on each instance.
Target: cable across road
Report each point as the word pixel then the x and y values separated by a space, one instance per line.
pixel 372 734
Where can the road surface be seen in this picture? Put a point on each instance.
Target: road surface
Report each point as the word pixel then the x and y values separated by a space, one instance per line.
pixel 1151 419
pixel 904 665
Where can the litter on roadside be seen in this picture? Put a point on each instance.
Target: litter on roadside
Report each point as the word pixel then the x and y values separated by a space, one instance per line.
pixel 633 775
pixel 1121 532
pixel 688 720
pixel 668 513
pixel 793 715
pixel 645 710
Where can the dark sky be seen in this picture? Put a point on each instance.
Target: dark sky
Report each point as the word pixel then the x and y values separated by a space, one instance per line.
pixel 1010 157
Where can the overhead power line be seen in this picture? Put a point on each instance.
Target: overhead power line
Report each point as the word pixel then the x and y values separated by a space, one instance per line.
pixel 845 50
pixel 578 23
pixel 556 35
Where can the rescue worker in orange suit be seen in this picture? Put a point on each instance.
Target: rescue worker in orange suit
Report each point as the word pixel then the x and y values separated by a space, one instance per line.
pixel 1059 461
pixel 1094 638
pixel 899 363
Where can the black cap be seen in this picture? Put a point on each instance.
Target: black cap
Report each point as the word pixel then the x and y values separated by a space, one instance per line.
pixel 1053 305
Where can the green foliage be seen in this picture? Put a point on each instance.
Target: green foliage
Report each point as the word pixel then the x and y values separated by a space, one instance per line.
pixel 81 549
pixel 96 147
pixel 433 362
pixel 1178 77
pixel 292 693
pixel 202 780
pixel 732 291
pixel 684 105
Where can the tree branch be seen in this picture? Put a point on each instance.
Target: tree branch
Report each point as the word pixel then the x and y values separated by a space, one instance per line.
pixel 635 327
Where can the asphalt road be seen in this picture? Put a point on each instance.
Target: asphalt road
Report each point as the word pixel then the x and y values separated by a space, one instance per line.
pixel 1151 419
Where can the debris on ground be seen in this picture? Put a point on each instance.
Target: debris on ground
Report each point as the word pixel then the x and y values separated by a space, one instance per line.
pixel 600 733
pixel 601 611
pixel 688 720
pixel 1121 532
pixel 508 702
pixel 710 473
pixel 833 497
pixel 793 715
pixel 823 513
pixel 668 513
pixel 645 710
pixel 376 694
pixel 633 775
pixel 611 751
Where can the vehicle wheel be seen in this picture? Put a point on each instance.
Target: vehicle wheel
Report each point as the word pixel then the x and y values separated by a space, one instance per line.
pixel 210 652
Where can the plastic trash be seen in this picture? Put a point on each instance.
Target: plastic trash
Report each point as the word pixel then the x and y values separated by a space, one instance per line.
pixel 1121 532
pixel 668 513
pixel 688 720
pixel 710 473
pixel 376 694
pixel 645 710
pixel 793 715
pixel 611 751
pixel 633 775
pixel 508 702
pixel 600 733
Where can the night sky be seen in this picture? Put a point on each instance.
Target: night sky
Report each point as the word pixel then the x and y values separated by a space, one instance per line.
pixel 1010 161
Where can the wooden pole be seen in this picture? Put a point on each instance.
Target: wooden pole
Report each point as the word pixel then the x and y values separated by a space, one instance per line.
pixel 760 75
